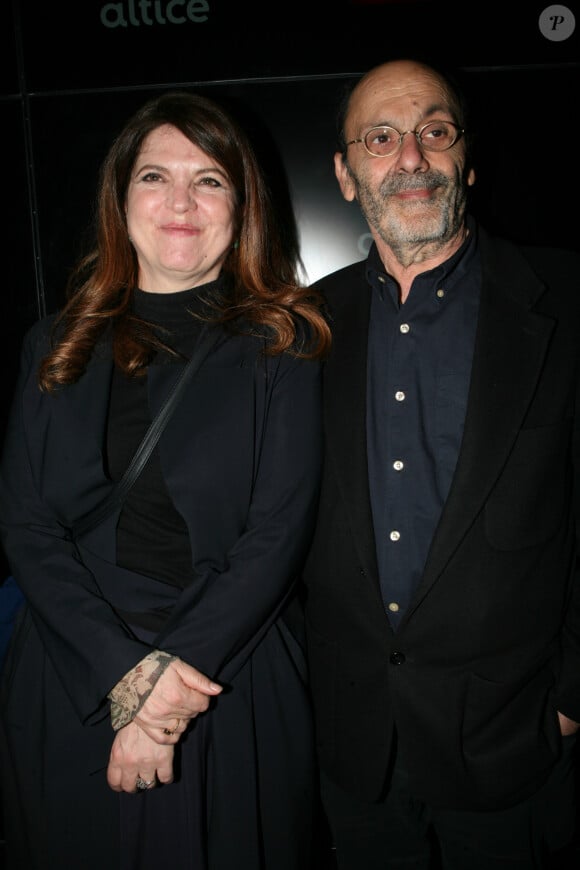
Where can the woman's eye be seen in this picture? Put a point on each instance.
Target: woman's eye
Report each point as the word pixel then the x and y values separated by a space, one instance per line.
pixel 209 181
pixel 151 176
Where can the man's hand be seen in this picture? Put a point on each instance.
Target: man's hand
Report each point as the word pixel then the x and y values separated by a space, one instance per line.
pixel 567 726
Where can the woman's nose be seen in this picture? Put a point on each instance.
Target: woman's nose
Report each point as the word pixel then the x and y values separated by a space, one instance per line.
pixel 182 197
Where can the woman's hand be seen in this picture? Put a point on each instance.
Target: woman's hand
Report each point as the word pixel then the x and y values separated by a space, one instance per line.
pixel 135 757
pixel 180 694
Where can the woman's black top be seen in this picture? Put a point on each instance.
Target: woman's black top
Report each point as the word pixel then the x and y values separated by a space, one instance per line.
pixel 152 537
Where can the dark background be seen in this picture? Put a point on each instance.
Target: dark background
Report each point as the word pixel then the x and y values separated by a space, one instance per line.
pixel 68 82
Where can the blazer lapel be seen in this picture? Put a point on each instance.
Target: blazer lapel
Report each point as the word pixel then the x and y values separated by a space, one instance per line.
pixel 510 346
pixel 88 400
pixel 345 413
pixel 79 416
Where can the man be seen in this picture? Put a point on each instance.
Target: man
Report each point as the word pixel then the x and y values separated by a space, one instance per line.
pixel 443 604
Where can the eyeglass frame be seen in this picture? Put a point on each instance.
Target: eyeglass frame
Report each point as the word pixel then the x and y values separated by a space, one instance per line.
pixel 459 132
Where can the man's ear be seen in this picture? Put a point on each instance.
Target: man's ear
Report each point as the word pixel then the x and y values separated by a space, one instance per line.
pixel 344 178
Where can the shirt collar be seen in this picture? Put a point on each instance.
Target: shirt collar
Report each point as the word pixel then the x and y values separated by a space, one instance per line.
pixel 449 272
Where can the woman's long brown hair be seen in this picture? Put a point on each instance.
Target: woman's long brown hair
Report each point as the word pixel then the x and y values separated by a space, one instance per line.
pixel 264 291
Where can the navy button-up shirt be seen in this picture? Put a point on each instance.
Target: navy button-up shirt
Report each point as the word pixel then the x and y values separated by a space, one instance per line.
pixel 419 367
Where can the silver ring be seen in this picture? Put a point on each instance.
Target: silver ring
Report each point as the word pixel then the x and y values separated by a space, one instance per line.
pixel 144 784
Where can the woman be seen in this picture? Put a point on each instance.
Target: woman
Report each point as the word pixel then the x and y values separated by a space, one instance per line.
pixel 154 706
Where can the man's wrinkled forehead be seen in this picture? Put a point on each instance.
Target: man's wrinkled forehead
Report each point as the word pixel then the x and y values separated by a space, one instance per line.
pixel 396 88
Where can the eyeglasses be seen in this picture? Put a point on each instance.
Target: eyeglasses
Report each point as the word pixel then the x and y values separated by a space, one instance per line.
pixel 386 141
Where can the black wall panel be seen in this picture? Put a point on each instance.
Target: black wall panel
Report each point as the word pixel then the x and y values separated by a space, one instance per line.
pixel 71 72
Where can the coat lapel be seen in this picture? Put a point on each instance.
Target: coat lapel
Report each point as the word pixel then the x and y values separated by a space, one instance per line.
pixel 345 415
pixel 77 419
pixel 88 400
pixel 511 343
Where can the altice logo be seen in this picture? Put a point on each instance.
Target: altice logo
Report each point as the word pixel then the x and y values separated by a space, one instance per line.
pixel 149 12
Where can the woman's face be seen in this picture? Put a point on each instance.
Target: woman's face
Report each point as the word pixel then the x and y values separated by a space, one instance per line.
pixel 180 213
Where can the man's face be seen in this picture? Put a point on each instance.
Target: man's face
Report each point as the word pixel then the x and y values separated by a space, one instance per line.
pixel 415 195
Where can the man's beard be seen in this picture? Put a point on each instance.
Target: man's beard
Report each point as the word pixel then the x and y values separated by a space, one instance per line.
pixel 414 222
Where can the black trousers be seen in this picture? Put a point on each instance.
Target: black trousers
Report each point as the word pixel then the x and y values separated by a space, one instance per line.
pixel 402 832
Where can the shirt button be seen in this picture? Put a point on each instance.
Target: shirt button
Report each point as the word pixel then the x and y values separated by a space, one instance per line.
pixel 404 328
pixel 398 465
pixel 394 535
pixel 440 293
pixel 393 607
pixel 400 396
pixel 397 658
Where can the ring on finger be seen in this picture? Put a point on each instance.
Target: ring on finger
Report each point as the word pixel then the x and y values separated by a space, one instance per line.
pixel 169 731
pixel 144 784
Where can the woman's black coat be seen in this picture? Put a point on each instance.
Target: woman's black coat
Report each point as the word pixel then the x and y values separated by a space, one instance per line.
pixel 241 459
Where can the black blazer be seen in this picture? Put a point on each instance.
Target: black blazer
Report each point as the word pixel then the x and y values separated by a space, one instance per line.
pixel 489 649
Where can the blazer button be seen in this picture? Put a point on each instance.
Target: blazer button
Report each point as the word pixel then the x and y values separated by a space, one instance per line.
pixel 397 658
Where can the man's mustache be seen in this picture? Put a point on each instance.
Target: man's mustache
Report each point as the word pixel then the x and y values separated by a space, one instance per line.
pixel 425 181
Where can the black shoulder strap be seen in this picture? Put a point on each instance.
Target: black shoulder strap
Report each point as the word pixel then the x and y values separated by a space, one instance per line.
pixel 206 341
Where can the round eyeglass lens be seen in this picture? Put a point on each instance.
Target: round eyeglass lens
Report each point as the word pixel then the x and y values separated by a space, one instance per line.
pixel 435 136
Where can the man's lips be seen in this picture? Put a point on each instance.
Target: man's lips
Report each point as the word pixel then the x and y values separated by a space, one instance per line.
pixel 414 193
